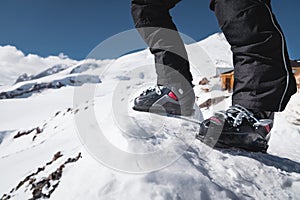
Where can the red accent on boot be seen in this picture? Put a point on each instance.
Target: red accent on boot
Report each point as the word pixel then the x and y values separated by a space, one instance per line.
pixel 173 96
pixel 268 128
pixel 215 120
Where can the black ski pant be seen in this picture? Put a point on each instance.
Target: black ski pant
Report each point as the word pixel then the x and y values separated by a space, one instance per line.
pixel 263 78
pixel 263 75
pixel 155 25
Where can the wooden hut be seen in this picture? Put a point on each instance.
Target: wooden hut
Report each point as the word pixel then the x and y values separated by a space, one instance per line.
pixel 296 70
pixel 227 77
pixel 227 80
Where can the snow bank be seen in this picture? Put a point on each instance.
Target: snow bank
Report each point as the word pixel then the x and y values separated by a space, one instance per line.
pixel 48 140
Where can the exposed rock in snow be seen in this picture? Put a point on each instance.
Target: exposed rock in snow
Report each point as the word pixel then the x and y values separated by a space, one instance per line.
pixel 29 89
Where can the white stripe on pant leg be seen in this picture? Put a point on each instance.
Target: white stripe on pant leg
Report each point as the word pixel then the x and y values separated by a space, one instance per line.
pixel 283 56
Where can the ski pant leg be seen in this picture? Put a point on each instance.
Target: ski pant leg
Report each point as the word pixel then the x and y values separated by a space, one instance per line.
pixel 263 78
pixel 155 25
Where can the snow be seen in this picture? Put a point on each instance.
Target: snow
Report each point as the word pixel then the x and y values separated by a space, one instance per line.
pixel 218 49
pixel 132 155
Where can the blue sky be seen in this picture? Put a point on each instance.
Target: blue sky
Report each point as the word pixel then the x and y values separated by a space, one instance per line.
pixel 75 27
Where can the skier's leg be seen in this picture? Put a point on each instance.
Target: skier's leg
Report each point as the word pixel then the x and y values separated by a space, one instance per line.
pixel 155 25
pixel 153 21
pixel 263 75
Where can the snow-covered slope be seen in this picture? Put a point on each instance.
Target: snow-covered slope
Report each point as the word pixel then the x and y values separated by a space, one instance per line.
pixel 218 50
pixel 85 142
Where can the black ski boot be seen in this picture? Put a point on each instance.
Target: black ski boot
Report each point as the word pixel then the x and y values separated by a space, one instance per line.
pixel 239 128
pixel 162 100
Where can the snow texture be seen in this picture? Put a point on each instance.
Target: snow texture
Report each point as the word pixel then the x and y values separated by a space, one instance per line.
pixel 43 155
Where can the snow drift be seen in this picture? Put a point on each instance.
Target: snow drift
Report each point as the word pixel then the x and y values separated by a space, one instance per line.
pixel 45 154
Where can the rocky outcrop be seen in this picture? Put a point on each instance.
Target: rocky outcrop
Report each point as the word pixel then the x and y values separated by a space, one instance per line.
pixel 42 186
pixel 28 89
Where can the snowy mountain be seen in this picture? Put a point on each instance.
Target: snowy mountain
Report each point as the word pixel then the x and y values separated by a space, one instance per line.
pixel 70 133
pixel 14 63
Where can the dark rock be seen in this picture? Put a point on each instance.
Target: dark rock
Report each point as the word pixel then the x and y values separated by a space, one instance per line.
pixel 204 81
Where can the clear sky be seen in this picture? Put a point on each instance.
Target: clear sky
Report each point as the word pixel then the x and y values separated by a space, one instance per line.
pixel 75 27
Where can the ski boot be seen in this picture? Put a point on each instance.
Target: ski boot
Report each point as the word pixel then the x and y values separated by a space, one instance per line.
pixel 239 128
pixel 163 100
